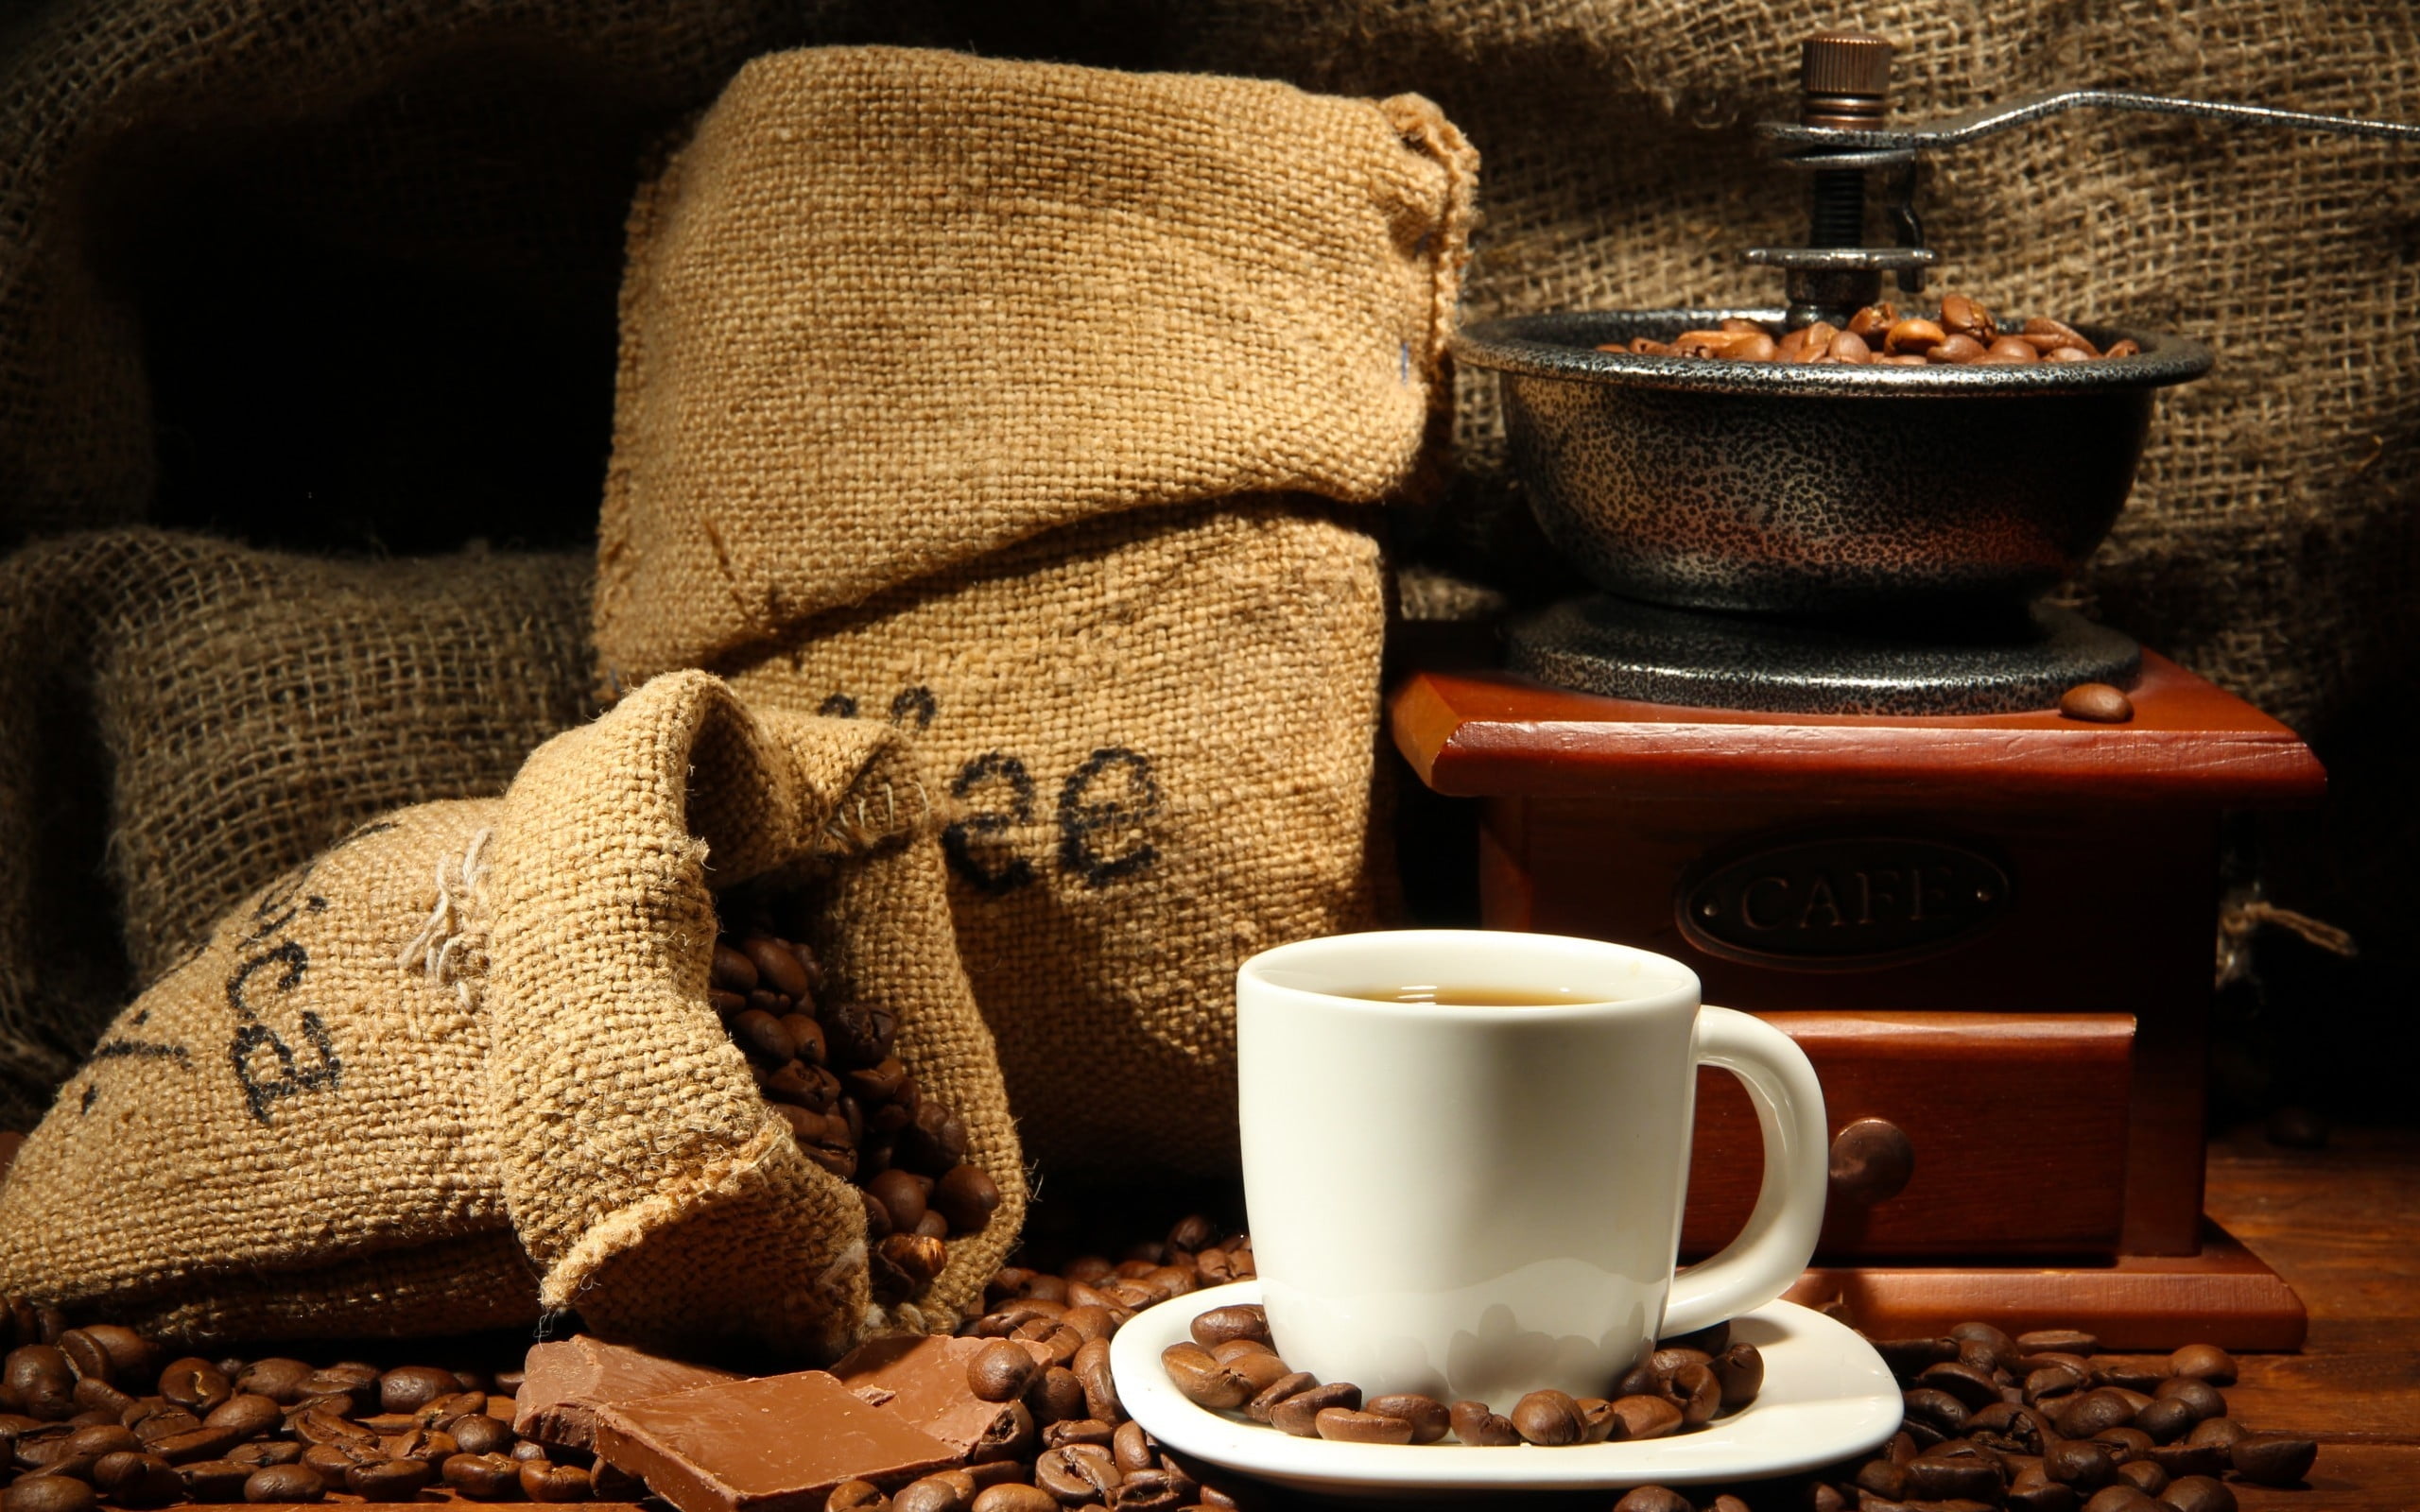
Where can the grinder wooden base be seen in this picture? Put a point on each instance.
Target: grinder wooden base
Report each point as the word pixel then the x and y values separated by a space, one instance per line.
pixel 2223 1295
pixel 1993 935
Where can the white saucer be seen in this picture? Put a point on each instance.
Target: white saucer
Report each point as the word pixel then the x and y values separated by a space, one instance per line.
pixel 1826 1396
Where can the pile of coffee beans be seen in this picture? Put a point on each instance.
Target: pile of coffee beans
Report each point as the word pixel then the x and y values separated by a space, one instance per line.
pixel 828 1070
pixel 98 1413
pixel 2044 1422
pixel 1232 1366
pixel 2041 1422
pixel 1961 331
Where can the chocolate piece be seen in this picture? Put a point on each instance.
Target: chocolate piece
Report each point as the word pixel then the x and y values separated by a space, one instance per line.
pixel 564 1383
pixel 923 1378
pixel 774 1444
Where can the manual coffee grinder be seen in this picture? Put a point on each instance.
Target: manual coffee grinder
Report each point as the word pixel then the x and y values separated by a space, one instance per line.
pixel 1808 741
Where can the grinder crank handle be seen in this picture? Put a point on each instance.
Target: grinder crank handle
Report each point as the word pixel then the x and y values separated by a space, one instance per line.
pixel 1780 1239
pixel 1823 142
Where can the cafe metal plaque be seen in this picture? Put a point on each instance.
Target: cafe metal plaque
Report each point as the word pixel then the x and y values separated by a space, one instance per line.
pixel 1841 901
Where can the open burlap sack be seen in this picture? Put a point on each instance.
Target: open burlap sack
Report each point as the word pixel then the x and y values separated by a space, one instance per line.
pixel 1020 404
pixel 462 1065
pixel 182 719
pixel 647 1178
pixel 283 1137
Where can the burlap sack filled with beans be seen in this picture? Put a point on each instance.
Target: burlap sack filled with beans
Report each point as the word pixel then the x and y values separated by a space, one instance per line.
pixel 463 1067
pixel 650 1182
pixel 1036 409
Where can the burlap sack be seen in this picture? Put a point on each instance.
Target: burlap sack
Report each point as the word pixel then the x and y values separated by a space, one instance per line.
pixel 333 1117
pixel 1011 403
pixel 648 1180
pixel 284 1135
pixel 182 719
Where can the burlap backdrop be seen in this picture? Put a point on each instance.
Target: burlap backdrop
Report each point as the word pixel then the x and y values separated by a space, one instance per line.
pixel 647 1177
pixel 1006 402
pixel 182 719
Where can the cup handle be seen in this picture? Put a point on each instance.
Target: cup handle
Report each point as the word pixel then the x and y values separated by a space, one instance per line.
pixel 1780 1239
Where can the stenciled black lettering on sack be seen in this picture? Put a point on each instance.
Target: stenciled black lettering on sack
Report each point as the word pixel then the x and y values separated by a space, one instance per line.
pixel 1102 810
pixel 838 706
pixel 915 704
pixel 266 1066
pixel 967 843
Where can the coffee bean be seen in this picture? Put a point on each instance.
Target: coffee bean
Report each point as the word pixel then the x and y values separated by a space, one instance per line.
pixel 41 1380
pixel 1001 1371
pixel 1699 1392
pixel 1905 1358
pixel 2272 1459
pixel 137 1480
pixel 934 1493
pixel 2198 1493
pixel 194 1443
pixel 2184 1459
pixel 776 967
pixel 2166 1420
pixel 967 1197
pixel 856 1496
pixel 214 1480
pixel 2123 348
pixel 1426 1416
pixel 1741 1371
pixel 2221 1432
pixel 2121 1497
pixel 1940 1477
pixel 1080 1431
pixel 48 1494
pixel 1960 315
pixel 1012 1497
pixel 1474 1425
pixel 2144 1476
pixel 1298 1415
pixel 334 1461
pixel 195 1384
pixel 1550 1418
pixel 1957 349
pixel 2100 1408
pixel 248 1414
pixel 262 1452
pixel 1349 1426
pixel 2085 1466
pixel 1056 1395
pixel 1645 1417
pixel 278 1379
pixel 1091 1366
pixel 2203 1362
pixel 555 1483
pixel 1238 1320
pixel 1269 1396
pixel 1936 1408
pixel 1973 1387
pixel 482 1477
pixel 1652 1499
pixel 290 1482
pixel 1884 1478
pixel 1078 1473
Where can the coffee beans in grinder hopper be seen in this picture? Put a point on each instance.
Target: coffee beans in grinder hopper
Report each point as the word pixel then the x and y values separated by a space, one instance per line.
pixel 1961 332
pixel 825 1063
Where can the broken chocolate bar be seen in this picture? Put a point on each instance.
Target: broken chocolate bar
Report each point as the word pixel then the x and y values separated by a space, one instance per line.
pixel 565 1383
pixel 774 1444
pixel 923 1378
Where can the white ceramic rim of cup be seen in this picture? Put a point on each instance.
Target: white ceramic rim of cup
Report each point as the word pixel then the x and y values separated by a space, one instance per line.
pixel 1304 969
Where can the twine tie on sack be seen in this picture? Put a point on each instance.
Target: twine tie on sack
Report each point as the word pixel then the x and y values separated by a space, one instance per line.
pixel 446 948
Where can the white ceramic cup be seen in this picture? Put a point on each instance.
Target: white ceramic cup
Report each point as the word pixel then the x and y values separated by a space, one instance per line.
pixel 1481 1202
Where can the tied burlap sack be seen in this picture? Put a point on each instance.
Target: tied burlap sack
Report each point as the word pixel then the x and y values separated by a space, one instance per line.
pixel 649 1181
pixel 182 719
pixel 284 1135
pixel 463 1066
pixel 1023 406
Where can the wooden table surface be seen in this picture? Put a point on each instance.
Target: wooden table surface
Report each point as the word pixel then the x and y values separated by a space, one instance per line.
pixel 2342 1226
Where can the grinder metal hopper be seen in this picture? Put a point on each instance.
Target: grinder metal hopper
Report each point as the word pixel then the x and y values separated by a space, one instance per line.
pixel 1832 517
